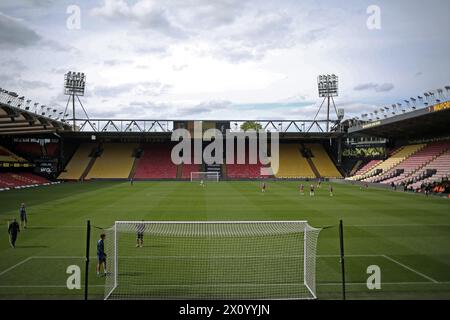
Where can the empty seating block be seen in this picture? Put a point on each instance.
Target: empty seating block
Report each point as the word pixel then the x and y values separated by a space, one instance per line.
pixel 244 170
pixel 323 162
pixel 187 168
pixel 442 166
pixel 367 167
pixel 78 163
pixel 156 163
pixel 292 163
pixel 397 157
pixel 417 161
pixel 115 162
pixel 13 180
pixel 52 149
pixel 8 156
pixel 29 149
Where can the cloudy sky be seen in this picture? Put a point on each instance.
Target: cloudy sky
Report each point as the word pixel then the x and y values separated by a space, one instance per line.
pixel 223 59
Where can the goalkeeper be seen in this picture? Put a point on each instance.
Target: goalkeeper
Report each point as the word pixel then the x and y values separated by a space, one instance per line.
pixel 140 235
pixel 101 255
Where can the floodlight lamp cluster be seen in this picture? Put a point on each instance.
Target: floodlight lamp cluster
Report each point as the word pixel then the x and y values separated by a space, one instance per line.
pixel 74 83
pixel 408 105
pixel 12 99
pixel 328 85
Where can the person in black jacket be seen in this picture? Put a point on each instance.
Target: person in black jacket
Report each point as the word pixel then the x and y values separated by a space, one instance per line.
pixel 13 231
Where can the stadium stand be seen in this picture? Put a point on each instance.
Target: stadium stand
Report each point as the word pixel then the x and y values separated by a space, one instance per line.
pixel 8 156
pixel 394 160
pixel 441 168
pixel 323 162
pixel 156 163
pixel 186 169
pixel 51 149
pixel 244 171
pixel 292 163
pixel 414 162
pixel 16 180
pixel 115 162
pixel 78 163
pixel 396 157
pixel 31 149
pixel 369 165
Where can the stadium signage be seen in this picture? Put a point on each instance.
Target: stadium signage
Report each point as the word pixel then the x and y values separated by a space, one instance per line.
pixel 440 106
pixel 9 164
pixel 370 125
pixel 212 153
pixel 47 167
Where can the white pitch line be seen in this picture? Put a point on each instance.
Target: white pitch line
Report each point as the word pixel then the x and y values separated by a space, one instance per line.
pixel 44 286
pixel 15 266
pixel 347 255
pixel 227 256
pixel 410 269
pixel 349 225
pixel 194 285
pixel 56 227
pixel 318 284
pixel 396 225
pixel 382 283
pixel 208 257
pixel 185 257
pixel 59 257
pixel 433 281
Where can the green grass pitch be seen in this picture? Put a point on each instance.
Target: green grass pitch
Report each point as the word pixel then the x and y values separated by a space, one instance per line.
pixel 406 235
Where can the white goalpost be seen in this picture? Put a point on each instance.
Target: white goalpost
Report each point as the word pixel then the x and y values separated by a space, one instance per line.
pixel 205 176
pixel 211 260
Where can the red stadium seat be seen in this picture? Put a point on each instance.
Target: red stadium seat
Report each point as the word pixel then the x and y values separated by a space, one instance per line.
pixel 156 163
pixel 13 180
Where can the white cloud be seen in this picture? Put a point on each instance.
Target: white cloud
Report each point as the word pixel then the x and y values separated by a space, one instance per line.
pixel 145 13
pixel 383 87
pixel 182 58
pixel 15 34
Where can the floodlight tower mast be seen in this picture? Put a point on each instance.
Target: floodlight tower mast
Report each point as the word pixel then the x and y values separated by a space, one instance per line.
pixel 328 88
pixel 74 85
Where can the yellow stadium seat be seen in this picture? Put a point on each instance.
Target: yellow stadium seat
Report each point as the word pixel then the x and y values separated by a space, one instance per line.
pixel 78 163
pixel 322 161
pixel 8 156
pixel 116 161
pixel 292 163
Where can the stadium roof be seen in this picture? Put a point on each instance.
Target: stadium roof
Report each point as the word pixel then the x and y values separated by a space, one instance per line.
pixel 166 136
pixel 17 121
pixel 429 122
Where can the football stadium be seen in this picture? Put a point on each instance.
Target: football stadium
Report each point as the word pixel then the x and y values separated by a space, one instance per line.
pixel 326 204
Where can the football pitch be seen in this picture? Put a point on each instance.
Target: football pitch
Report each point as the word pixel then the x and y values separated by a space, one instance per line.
pixel 406 235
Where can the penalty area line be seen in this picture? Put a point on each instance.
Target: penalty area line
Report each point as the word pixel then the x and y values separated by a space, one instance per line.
pixel 412 283
pixel 15 266
pixel 410 269
pixel 45 286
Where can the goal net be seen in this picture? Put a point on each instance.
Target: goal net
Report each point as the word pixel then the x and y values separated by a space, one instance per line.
pixel 205 176
pixel 211 260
